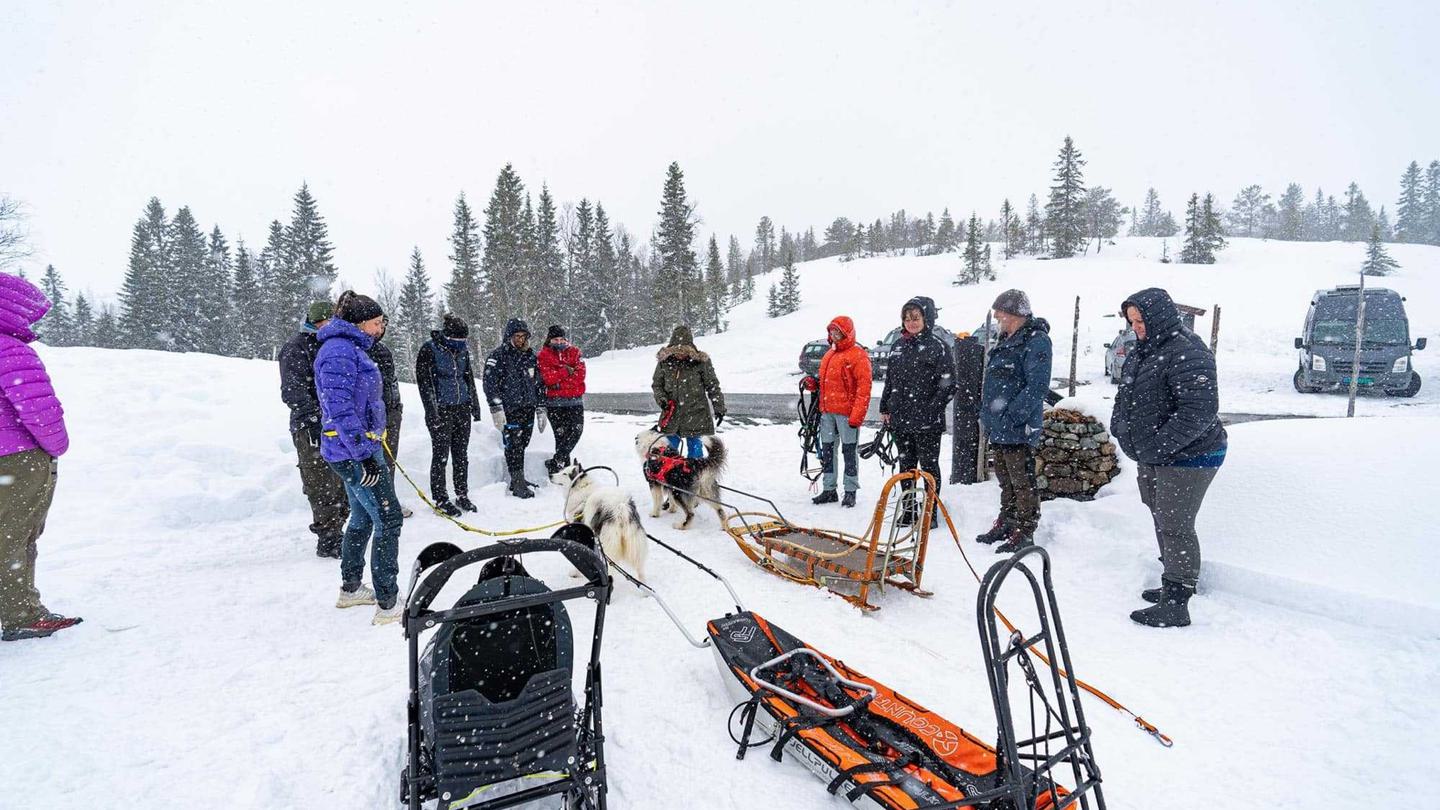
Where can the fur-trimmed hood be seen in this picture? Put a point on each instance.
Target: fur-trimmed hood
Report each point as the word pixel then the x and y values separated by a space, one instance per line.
pixel 682 353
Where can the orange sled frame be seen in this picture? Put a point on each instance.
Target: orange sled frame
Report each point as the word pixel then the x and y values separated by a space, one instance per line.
pixel 886 553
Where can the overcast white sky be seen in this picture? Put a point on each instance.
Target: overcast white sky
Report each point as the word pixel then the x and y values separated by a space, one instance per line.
pixel 800 111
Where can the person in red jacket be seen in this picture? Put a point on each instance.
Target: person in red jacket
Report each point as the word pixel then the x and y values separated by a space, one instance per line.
pixel 563 372
pixel 844 399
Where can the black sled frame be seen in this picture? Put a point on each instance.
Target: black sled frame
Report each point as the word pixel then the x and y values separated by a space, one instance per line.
pixel 1064 717
pixel 583 784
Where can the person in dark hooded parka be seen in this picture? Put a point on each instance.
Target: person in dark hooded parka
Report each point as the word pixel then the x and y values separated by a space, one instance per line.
pixel 514 390
pixel 919 382
pixel 686 388
pixel 1167 418
pixel 446 380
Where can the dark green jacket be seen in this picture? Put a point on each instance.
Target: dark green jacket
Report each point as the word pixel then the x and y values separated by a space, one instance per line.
pixel 686 377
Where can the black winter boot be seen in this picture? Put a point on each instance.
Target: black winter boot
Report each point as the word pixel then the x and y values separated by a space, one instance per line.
pixel 1171 611
pixel 1015 540
pixel 328 547
pixel 849 500
pixel 998 530
pixel 519 489
pixel 828 496
pixel 1153 595
pixel 464 503
pixel 445 507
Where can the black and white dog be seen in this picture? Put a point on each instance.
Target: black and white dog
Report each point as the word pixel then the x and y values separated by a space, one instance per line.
pixel 673 478
pixel 610 513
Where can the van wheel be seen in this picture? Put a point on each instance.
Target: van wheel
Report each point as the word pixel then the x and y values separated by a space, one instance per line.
pixel 1301 386
pixel 1408 391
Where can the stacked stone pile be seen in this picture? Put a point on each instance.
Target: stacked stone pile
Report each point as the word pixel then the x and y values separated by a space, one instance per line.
pixel 1076 458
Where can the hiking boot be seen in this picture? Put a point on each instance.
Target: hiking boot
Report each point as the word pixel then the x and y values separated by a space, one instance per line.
pixel 828 496
pixel 445 507
pixel 849 500
pixel 1153 595
pixel 464 503
pixel 388 615
pixel 998 531
pixel 1015 540
pixel 1171 611
pixel 47 624
pixel 519 489
pixel 359 595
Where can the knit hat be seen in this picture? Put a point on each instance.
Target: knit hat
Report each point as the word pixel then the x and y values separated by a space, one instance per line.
pixel 682 336
pixel 453 326
pixel 319 311
pixel 359 308
pixel 1015 302
pixel 555 330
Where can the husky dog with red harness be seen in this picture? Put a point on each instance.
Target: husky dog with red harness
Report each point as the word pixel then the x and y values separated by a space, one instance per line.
pixel 683 471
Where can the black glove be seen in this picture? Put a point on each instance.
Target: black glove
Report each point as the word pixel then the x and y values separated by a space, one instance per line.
pixel 719 417
pixel 312 434
pixel 371 475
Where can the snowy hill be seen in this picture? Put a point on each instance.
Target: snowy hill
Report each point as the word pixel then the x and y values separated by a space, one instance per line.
pixel 1263 289
pixel 213 668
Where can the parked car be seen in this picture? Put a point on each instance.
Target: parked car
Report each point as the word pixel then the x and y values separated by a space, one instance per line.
pixel 1116 351
pixel 1327 346
pixel 811 355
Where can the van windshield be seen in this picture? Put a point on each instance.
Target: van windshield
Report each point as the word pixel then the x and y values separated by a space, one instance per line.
pixel 1386 332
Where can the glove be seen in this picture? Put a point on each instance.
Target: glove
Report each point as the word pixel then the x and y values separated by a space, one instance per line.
pixel 884 418
pixel 540 419
pixel 312 434
pixel 371 472
pixel 719 417
pixel 498 417
pixel 477 416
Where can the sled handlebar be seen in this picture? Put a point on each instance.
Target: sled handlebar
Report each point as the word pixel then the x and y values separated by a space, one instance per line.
pixel 828 711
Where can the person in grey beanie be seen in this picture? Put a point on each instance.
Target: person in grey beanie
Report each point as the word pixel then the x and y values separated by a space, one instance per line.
pixel 1012 405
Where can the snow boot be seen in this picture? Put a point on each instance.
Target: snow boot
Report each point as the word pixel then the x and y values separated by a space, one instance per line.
pixel 849 500
pixel 519 489
pixel 355 597
pixel 464 503
pixel 388 615
pixel 998 531
pixel 46 625
pixel 445 507
pixel 1153 595
pixel 828 496
pixel 1015 540
pixel 328 547
pixel 1171 611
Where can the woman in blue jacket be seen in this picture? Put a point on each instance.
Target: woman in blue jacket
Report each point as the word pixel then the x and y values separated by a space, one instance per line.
pixel 352 418
pixel 1167 418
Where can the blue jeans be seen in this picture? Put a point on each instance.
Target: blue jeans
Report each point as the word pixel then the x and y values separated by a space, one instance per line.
pixel 835 427
pixel 373 510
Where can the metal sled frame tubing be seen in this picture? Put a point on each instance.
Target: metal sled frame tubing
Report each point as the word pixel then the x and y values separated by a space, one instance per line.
pixel 739 513
pixel 699 643
pixel 1077 751
pixel 418 618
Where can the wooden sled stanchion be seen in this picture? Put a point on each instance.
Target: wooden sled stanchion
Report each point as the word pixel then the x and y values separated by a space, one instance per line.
pixel 886 553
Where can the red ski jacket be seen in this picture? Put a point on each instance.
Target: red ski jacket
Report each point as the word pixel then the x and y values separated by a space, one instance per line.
pixel 563 372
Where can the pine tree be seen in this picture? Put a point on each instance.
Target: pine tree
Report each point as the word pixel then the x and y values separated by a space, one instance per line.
pixel 987 267
pixel 772 303
pixel 142 294
pixel 107 329
pixel 734 262
pixel 414 315
pixel 310 253
pixel 55 328
pixel 714 288
pixel 1007 228
pixel 1214 232
pixel 878 245
pixel 1410 211
pixel 1103 216
pixel 839 237
pixel 1377 261
pixel 1432 203
pixel 1290 218
pixel 542 305
pixel 82 323
pixel 186 284
pixel 584 284
pixel 549 260
pixel 285 299
pixel 250 326
pixel 855 247
pixel 1034 228
pixel 1383 220
pixel 1064 214
pixel 789 296
pixel 674 254
pixel 503 264
pixel 1196 249
pixel 925 234
pixel 1357 218
pixel 607 306
pixel 972 258
pixel 216 312
pixel 1249 212
pixel 465 294
pixel 765 244
pixel 1147 221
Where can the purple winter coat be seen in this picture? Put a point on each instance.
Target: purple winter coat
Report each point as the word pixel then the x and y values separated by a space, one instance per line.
pixel 30 414
pixel 349 385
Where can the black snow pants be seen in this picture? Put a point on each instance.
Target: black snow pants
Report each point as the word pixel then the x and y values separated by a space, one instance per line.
pixel 519 426
pixel 568 423
pixel 919 450
pixel 449 428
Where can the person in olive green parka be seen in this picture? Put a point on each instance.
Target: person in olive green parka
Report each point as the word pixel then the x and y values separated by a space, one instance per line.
pixel 686 388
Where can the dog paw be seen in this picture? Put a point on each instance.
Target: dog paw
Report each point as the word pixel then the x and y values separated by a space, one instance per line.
pixel 655 513
pixel 682 525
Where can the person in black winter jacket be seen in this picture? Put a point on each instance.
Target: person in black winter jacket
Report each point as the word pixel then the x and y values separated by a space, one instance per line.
pixel 514 391
pixel 329 507
pixel 919 381
pixel 1167 419
pixel 446 380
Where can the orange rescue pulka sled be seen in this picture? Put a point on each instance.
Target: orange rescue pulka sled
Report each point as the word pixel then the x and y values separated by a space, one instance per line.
pixel 888 552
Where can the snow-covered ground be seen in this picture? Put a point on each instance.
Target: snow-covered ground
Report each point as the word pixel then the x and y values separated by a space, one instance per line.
pixel 213 670
pixel 1263 289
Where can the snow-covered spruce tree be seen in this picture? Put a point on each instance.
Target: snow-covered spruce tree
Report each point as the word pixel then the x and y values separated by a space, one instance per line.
pixel 925 234
pixel 107 329
pixel 787 246
pixel 972 257
pixel 715 293
pixel 1357 218
pixel 1148 216
pixel 734 263
pixel 1290 214
pixel 1064 213
pixel 82 322
pixel 503 264
pixel 608 306
pixel 988 265
pixel 1035 237
pixel 548 259
pixel 1103 216
pixel 1432 203
pixel 1377 260
pixel 142 294
pixel 465 292
pixel 311 255
pixel 187 288
pixel 1410 210
pixel 789 287
pixel 1196 247
pixel 250 327
pixel 217 310
pixel 1383 220
pixel 539 304
pixel 283 304
pixel 765 244
pixel 1249 212
pixel 1213 230
pixel 414 315
pixel 55 328
pixel 839 238
pixel 946 237
pixel 583 317
pixel 1007 228
pixel 673 249
pixel 878 245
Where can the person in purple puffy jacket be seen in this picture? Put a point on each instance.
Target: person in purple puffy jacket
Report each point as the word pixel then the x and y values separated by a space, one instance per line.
pixel 32 439
pixel 352 423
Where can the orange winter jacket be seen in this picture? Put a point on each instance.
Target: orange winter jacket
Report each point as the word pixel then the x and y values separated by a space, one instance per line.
pixel 845 375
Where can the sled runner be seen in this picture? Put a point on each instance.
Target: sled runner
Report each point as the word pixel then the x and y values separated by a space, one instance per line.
pixel 493 718
pixel 883 751
pixel 890 552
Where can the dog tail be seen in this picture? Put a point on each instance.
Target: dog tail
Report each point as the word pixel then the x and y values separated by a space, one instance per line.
pixel 718 456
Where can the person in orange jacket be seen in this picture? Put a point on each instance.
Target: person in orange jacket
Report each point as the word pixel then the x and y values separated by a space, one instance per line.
pixel 844 399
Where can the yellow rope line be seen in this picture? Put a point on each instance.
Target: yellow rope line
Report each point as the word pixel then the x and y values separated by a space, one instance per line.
pixel 462 524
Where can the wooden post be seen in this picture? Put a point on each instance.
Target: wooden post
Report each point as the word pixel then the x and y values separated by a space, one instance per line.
pixel 1215 329
pixel 982 470
pixel 1359 341
pixel 1075 342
